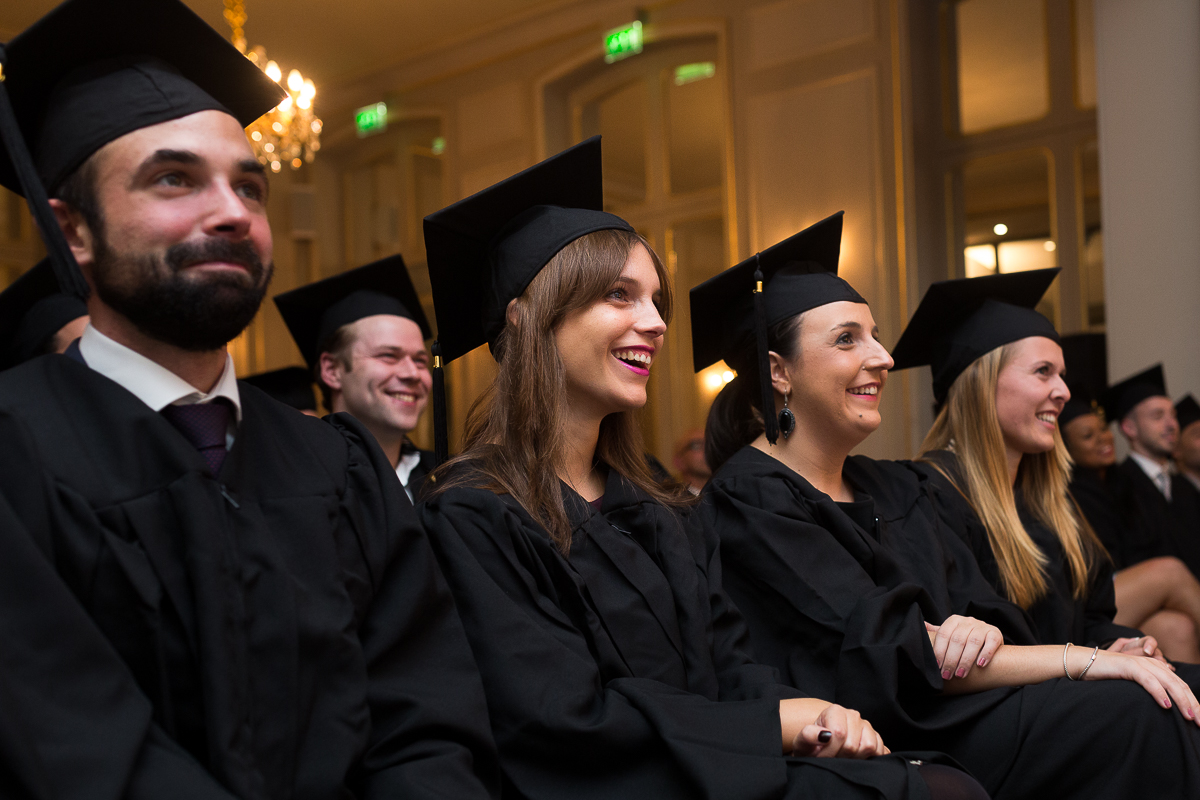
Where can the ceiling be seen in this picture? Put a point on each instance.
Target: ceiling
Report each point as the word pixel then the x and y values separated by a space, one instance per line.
pixel 332 40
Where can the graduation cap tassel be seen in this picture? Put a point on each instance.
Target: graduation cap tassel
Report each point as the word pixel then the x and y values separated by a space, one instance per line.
pixel 441 438
pixel 66 271
pixel 770 423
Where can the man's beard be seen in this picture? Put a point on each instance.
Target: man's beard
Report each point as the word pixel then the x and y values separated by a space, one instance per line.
pixel 192 313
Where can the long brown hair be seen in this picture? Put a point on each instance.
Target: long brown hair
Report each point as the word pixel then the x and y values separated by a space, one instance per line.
pixel 514 431
pixel 969 425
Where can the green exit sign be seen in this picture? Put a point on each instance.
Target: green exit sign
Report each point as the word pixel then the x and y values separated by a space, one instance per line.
pixel 371 119
pixel 623 42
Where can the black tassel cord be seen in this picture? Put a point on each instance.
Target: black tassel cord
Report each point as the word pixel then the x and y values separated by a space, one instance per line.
pixel 66 271
pixel 441 437
pixel 770 424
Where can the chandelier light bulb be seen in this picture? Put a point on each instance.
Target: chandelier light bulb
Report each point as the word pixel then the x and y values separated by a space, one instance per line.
pixel 290 133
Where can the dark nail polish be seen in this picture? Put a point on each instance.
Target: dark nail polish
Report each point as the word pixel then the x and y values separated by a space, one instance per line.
pixel 824 736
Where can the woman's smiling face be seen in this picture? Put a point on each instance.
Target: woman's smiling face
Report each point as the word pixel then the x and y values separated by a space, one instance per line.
pixel 840 370
pixel 607 347
pixel 1030 394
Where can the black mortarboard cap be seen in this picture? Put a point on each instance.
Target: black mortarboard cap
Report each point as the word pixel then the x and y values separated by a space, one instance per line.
pixel 31 311
pixel 292 386
pixel 960 320
pixel 732 311
pixel 1086 358
pixel 485 250
pixel 1187 411
pixel 313 312
pixel 1121 398
pixel 91 71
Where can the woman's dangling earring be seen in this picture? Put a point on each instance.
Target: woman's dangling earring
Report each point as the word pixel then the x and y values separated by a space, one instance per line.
pixel 787 420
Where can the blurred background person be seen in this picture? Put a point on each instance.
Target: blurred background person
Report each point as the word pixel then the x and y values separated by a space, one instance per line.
pixel 690 466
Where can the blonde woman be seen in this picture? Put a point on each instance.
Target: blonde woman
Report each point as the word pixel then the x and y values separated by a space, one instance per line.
pixel 849 584
pixel 996 458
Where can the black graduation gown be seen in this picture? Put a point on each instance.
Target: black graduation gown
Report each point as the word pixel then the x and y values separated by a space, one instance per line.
pixel 824 587
pixel 1059 617
pixel 622 672
pixel 416 478
pixel 1158 527
pixel 1097 499
pixel 278 631
pixel 1186 499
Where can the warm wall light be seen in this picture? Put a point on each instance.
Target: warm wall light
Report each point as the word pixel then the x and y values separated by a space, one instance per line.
pixel 1049 246
pixel 1000 229
pixel 713 379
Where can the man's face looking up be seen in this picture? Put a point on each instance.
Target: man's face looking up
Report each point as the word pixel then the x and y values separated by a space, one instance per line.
pixel 181 246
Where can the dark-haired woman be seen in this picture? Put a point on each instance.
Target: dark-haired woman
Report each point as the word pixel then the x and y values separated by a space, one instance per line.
pixel 846 577
pixel 613 663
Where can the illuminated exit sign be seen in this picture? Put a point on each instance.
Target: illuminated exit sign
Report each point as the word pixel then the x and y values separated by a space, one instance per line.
pixel 623 42
pixel 371 119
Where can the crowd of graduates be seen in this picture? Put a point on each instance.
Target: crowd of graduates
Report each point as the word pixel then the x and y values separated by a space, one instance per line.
pixel 205 593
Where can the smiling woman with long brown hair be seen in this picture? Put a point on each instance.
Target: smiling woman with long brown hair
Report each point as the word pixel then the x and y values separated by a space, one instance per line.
pixel 613 663
pixel 850 584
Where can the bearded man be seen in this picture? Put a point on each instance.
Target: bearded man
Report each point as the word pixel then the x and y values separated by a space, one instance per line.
pixel 203 594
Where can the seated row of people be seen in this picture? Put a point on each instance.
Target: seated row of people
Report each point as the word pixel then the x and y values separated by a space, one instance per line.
pixel 207 595
pixel 1147 518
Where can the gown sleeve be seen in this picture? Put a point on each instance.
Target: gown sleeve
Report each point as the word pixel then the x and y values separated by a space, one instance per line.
pixel 566 726
pixel 1100 607
pixel 430 736
pixel 76 723
pixel 815 611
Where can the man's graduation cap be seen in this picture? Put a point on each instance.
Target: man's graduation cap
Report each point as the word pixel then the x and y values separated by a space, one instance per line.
pixel 313 312
pixel 732 311
pixel 91 71
pixel 960 320
pixel 31 311
pixel 485 250
pixel 1086 358
pixel 291 386
pixel 1123 397
pixel 1187 411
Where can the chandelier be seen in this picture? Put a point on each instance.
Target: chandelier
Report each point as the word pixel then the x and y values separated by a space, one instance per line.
pixel 290 133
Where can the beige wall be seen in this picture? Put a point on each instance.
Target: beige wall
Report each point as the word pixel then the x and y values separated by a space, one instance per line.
pixel 1148 77
pixel 813 102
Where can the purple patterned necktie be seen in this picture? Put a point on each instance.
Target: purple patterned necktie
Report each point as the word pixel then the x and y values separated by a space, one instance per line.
pixel 205 426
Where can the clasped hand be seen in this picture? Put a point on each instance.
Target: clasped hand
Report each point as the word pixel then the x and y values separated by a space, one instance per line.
pixel 960 643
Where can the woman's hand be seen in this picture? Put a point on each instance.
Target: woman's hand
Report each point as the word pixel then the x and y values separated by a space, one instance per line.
pixel 960 643
pixel 839 733
pixel 1154 676
pixel 1139 646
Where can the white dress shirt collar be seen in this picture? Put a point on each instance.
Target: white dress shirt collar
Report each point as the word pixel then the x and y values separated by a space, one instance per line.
pixel 152 383
pixel 1158 474
pixel 404 469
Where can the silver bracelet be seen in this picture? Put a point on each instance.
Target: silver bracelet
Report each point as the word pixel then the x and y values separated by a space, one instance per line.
pixel 1068 674
pixel 1089 664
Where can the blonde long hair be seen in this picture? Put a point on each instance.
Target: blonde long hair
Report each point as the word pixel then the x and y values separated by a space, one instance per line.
pixel 514 431
pixel 969 425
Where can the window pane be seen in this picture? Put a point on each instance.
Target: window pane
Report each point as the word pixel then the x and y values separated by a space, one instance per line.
pixel 1092 258
pixel 620 117
pixel 1085 54
pixel 694 127
pixel 1007 217
pixel 1002 63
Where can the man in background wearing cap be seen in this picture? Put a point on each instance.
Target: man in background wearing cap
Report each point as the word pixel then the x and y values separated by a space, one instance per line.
pixel 36 318
pixel 1145 416
pixel 202 593
pixel 1186 487
pixel 363 334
